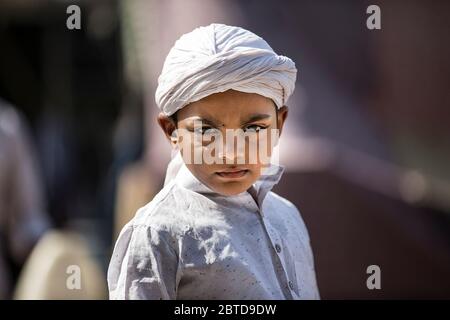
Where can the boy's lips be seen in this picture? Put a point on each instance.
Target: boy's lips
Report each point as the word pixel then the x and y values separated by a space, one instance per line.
pixel 232 173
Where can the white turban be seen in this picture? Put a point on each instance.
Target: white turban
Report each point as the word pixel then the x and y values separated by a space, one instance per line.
pixel 218 58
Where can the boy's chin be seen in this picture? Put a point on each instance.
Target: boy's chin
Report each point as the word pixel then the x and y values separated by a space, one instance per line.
pixel 229 189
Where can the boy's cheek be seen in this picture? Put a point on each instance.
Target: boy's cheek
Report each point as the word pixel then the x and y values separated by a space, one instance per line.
pixel 264 149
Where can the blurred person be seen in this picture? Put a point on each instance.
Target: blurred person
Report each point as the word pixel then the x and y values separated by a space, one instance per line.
pixel 216 231
pixel 62 266
pixel 23 218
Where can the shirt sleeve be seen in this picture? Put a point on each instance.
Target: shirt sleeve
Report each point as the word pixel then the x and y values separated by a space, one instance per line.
pixel 144 265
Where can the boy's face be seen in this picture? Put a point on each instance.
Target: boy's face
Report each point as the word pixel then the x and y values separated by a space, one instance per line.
pixel 226 138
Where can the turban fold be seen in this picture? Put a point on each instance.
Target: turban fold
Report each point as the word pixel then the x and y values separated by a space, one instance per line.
pixel 218 58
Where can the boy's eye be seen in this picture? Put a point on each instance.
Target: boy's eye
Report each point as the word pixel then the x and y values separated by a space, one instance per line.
pixel 205 130
pixel 254 128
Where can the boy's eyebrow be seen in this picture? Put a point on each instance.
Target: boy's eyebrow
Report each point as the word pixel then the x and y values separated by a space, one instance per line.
pixel 217 123
pixel 211 122
pixel 257 117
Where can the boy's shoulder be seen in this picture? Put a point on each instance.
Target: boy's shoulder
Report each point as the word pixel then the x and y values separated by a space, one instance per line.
pixel 167 211
pixel 282 202
pixel 285 207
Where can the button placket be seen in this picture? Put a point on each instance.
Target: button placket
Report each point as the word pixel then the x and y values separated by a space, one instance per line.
pixel 291 285
pixel 275 240
pixel 295 295
pixel 277 247
pixel 273 237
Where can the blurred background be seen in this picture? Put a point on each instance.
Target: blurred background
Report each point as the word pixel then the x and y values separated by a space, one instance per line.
pixel 367 142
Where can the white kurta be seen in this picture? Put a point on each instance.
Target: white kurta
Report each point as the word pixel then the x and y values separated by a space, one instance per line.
pixel 192 243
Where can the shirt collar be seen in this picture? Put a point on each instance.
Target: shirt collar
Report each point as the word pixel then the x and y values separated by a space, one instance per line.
pixel 258 190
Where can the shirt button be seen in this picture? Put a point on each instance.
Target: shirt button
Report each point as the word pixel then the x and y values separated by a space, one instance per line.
pixel 291 285
pixel 278 248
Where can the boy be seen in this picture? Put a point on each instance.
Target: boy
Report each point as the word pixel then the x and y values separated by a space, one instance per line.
pixel 216 231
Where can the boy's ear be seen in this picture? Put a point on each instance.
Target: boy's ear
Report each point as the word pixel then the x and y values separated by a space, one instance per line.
pixel 169 127
pixel 281 117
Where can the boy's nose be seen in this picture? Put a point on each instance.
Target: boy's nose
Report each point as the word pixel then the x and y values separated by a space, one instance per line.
pixel 232 151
